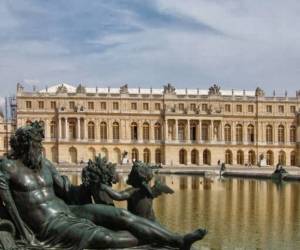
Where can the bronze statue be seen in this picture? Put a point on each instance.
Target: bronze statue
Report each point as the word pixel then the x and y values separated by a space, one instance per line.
pixel 140 196
pixel 33 193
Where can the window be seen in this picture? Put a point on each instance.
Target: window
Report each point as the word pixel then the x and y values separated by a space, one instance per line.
pixel 53 130
pixel 103 105
pixel 146 155
pixel 227 107
pixel 281 134
pixel 146 106
pixel 204 106
pixel 134 106
pixel 5 142
pixel 72 105
pixel 193 106
pixel 239 108
pixel 157 106
pixel 146 129
pixel 41 105
pixel 227 133
pixel 28 104
pixel 116 133
pixel 103 131
pixel 281 109
pixel 181 106
pixel 91 131
pixel 115 105
pixel 269 134
pixel 250 108
pixel 293 109
pixel 269 108
pixel 250 133
pixel 134 131
pixel 53 105
pixel 90 105
pixel 157 131
pixel 239 133
pixel 293 134
pixel 204 132
pixel 157 156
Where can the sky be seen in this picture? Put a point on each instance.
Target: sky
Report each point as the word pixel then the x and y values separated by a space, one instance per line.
pixel 238 44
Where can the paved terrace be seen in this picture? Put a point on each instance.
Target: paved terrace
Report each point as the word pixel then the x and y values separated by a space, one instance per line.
pixel 231 171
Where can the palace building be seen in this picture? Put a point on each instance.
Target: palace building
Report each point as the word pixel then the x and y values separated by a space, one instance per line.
pixel 168 125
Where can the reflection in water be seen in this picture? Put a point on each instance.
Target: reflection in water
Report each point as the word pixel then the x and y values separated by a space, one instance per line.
pixel 239 213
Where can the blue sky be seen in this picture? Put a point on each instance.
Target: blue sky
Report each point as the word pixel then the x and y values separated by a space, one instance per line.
pixel 191 43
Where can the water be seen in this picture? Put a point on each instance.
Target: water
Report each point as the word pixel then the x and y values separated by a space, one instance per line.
pixel 238 213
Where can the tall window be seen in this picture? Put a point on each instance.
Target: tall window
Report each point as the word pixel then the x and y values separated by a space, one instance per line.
pixel 270 158
pixel 250 133
pixel 146 129
pixel 71 105
pixel 281 134
pixel 292 109
pixel 28 104
pixel 251 157
pixel 240 157
pixel 103 131
pixel 269 108
pixel 116 129
pixel 157 131
pixel 239 108
pixel 293 134
pixel 134 131
pixel 91 105
pixel 146 155
pixel 204 132
pixel 281 109
pixel 157 106
pixel 91 131
pixel 41 105
pixel 53 130
pixel 53 104
pixel 115 105
pixel 133 106
pixel 206 157
pixel 227 133
pixel 239 134
pixel 5 142
pixel 103 105
pixel 181 131
pixel 250 108
pixel 193 131
pixel 134 155
pixel 72 130
pixel 269 134
pixel 228 157
pixel 145 106
pixel 157 156
pixel 282 158
pixel 193 106
pixel 195 157
pixel 293 158
pixel 182 156
pixel 227 108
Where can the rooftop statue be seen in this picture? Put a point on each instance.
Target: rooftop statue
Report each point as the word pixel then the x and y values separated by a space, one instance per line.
pixel 33 194
pixel 214 90
pixel 140 196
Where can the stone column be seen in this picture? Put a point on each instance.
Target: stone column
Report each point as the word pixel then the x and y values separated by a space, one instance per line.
pixel 199 131
pixel 109 131
pixel 140 131
pixel 233 127
pixel 59 128
pixel 245 134
pixel 66 129
pixel 151 131
pixel 166 130
pixel 47 129
pixel 298 140
pixel 211 131
pixel 222 132
pixel 188 131
pixel 78 129
pixel 85 129
pixel 176 130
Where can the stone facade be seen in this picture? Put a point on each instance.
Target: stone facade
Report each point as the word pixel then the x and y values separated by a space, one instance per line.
pixel 169 126
pixel 6 129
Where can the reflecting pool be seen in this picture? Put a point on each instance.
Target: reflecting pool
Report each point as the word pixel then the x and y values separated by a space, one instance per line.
pixel 238 213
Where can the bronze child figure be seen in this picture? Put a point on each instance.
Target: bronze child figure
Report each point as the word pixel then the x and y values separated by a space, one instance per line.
pixel 140 196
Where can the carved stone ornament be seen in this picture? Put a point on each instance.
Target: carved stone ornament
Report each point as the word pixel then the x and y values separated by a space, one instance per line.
pixel 62 89
pixel 169 89
pixel 80 89
pixel 20 88
pixel 124 89
pixel 259 92
pixel 214 90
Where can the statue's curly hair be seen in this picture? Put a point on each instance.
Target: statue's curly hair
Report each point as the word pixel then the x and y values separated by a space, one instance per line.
pixel 99 171
pixel 23 137
pixel 140 173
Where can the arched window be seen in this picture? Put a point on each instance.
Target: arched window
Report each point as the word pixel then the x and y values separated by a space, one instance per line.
pixel 193 131
pixel 5 142
pixel 116 156
pixel 206 157
pixel 293 158
pixel 157 131
pixel 158 156
pixel 227 133
pixel 91 131
pixel 281 134
pixel 103 131
pixel 270 158
pixel 72 129
pixel 146 155
pixel 181 131
pixel 54 154
pixel 134 131
pixel 292 134
pixel 204 132
pixel 269 134
pixel 228 157
pixel 146 129
pixel 28 122
pixel 239 134
pixel 91 153
pixel 282 158
pixel 251 157
pixel 182 156
pixel 116 129
pixel 73 155
pixel 195 157
pixel 240 157
pixel 53 130
pixel 250 133
pixel 134 155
